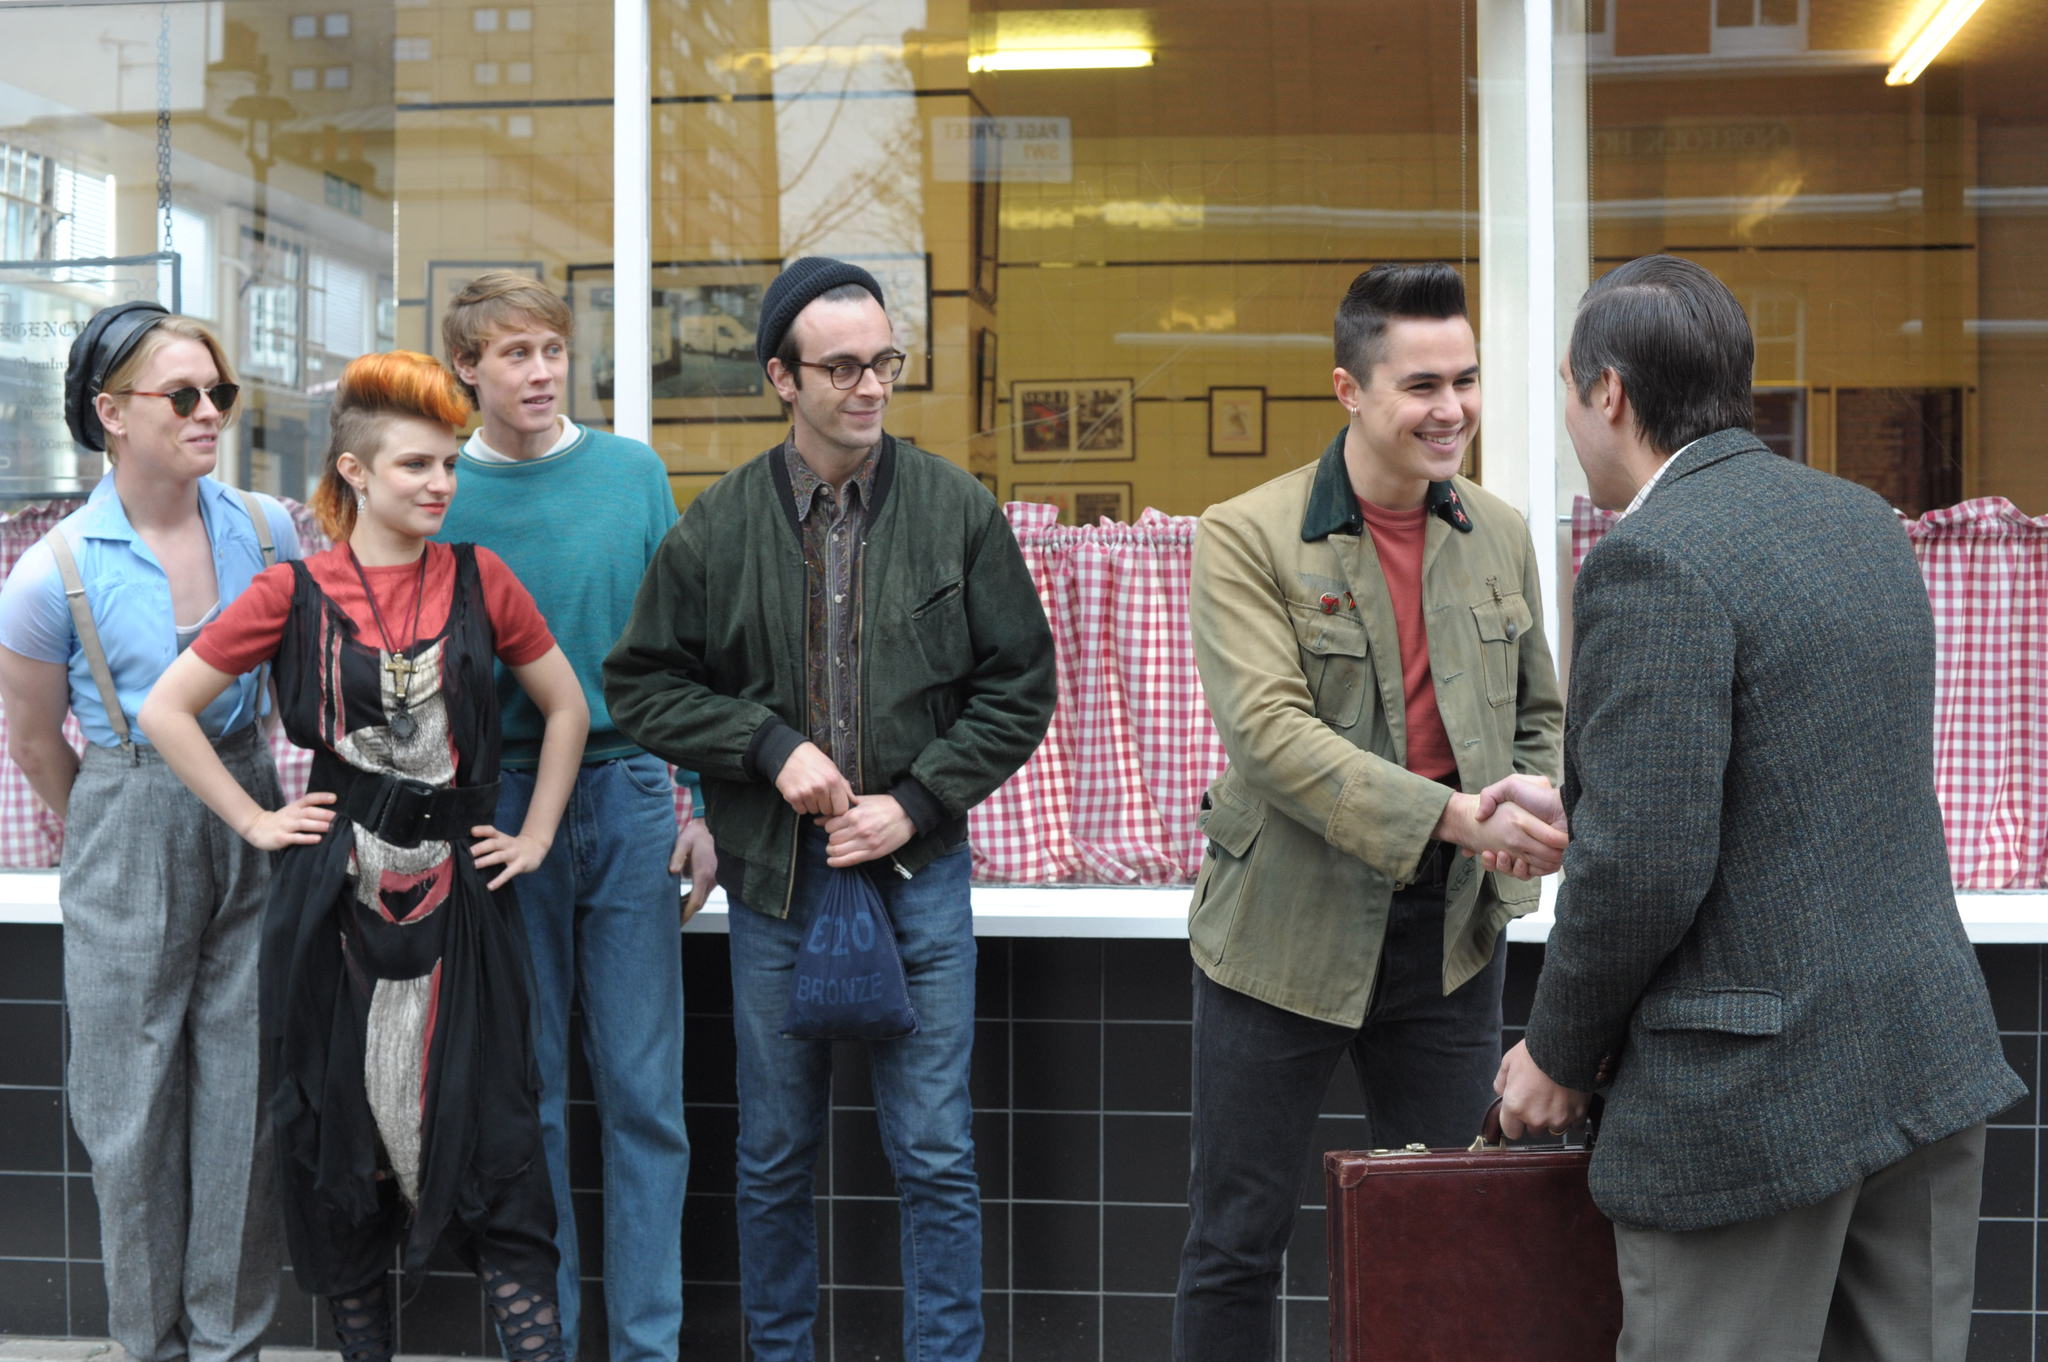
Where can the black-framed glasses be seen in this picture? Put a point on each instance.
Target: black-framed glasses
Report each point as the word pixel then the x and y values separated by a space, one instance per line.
pixel 185 401
pixel 846 372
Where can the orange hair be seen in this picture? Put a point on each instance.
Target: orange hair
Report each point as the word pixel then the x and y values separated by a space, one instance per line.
pixel 374 390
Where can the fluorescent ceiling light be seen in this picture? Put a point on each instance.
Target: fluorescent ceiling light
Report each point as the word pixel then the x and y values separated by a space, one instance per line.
pixel 1062 58
pixel 1928 42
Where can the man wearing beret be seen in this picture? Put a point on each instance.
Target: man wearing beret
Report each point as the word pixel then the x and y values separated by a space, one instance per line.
pixel 841 638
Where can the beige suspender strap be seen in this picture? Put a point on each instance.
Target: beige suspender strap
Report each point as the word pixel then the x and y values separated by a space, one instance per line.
pixel 89 636
pixel 262 524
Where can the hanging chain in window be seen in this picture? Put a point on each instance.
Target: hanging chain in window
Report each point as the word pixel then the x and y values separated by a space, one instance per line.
pixel 163 119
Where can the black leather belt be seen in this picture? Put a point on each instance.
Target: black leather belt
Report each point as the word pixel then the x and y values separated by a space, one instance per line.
pixel 402 811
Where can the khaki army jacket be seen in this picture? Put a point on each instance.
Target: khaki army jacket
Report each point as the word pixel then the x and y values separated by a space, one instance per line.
pixel 1316 822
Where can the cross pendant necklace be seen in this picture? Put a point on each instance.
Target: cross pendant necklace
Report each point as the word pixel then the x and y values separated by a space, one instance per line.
pixel 400 667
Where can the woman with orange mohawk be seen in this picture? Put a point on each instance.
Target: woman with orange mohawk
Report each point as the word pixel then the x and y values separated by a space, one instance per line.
pixel 394 974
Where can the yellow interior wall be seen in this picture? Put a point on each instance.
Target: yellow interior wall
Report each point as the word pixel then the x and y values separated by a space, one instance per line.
pixel 1179 223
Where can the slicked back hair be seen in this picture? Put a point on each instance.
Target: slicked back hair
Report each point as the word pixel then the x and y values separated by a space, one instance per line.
pixel 1387 293
pixel 1678 341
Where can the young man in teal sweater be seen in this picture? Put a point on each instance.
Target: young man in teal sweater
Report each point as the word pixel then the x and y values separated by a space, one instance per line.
pixel 577 513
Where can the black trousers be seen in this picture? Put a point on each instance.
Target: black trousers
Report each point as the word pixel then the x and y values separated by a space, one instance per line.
pixel 1425 1061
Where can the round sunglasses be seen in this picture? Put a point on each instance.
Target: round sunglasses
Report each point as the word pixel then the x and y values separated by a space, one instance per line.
pixel 185 401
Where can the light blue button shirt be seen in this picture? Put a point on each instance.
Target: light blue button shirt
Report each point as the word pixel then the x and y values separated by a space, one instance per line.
pixel 130 595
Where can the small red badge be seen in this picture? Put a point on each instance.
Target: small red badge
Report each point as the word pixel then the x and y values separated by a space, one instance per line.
pixel 1329 604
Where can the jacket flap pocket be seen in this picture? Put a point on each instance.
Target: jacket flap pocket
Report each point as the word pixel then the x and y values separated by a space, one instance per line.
pixel 1736 1011
pixel 1340 635
pixel 1504 620
pixel 1230 824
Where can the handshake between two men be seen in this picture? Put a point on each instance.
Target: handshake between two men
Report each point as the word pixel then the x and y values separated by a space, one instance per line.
pixel 1517 826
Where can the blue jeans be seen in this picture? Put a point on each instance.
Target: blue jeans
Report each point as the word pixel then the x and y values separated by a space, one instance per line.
pixel 1425 1060
pixel 603 921
pixel 921 1103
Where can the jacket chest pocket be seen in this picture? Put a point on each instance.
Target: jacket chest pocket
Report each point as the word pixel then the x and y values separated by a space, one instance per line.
pixel 1336 661
pixel 936 623
pixel 1502 623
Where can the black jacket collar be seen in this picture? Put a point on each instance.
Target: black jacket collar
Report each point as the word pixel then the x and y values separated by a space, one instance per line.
pixel 1333 507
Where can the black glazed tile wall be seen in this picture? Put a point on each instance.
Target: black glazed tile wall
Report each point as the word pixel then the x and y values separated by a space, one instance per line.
pixel 1080 1096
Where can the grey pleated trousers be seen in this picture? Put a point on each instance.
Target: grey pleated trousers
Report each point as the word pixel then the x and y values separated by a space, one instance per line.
pixel 162 906
pixel 1881 1271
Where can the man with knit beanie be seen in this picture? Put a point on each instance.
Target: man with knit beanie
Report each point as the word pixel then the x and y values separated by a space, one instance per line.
pixel 840 636
pixel 577 513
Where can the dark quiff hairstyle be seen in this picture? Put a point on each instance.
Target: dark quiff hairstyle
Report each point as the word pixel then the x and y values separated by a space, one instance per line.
pixel 1387 293
pixel 375 390
pixel 1679 343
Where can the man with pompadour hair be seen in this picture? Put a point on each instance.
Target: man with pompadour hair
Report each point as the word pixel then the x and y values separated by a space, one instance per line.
pixel 577 513
pixel 1793 1033
pixel 1369 632
pixel 842 639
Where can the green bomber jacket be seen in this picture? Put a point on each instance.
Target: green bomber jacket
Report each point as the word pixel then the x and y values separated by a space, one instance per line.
pixel 1316 821
pixel 956 658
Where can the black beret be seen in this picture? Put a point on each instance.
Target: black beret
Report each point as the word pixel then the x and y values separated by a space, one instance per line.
pixel 793 290
pixel 109 337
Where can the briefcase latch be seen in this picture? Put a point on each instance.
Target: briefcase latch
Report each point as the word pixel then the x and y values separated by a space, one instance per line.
pixel 1390 1153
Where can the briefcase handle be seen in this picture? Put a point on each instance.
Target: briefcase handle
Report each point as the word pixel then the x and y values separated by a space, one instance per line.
pixel 1492 1137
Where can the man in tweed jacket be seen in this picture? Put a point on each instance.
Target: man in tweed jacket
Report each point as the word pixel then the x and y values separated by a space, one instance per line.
pixel 1757 950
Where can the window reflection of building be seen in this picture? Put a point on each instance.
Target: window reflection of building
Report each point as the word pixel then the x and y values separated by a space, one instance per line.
pixel 1890 219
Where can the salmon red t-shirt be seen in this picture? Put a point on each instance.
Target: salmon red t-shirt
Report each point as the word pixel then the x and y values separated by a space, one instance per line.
pixel 1398 538
pixel 248 632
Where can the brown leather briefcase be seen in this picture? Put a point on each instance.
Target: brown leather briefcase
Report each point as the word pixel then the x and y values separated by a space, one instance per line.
pixel 1469 1255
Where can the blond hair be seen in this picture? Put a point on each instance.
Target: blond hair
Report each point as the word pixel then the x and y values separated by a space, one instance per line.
pixel 491 303
pixel 174 327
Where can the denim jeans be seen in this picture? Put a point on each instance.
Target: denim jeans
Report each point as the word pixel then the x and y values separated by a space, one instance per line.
pixel 1424 1060
pixel 603 922
pixel 921 1103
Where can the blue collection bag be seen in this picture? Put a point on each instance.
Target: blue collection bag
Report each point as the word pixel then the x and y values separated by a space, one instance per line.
pixel 848 982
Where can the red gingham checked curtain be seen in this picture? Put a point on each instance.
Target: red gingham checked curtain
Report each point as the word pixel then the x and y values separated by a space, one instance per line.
pixel 1111 795
pixel 1987 574
pixel 1986 566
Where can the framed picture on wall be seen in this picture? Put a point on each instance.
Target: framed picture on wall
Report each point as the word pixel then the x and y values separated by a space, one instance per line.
pixel 1063 420
pixel 987 205
pixel 446 278
pixel 1080 503
pixel 702 323
pixel 1237 422
pixel 984 380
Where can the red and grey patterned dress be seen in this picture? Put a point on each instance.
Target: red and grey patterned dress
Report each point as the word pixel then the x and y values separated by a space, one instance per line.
pixel 394 982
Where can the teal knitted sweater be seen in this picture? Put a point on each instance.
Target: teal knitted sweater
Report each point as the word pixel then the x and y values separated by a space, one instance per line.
pixel 577 527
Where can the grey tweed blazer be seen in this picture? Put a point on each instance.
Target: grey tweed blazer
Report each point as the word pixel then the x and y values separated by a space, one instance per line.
pixel 1757 932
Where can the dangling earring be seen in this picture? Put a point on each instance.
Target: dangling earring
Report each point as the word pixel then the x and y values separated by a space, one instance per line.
pixel 362 501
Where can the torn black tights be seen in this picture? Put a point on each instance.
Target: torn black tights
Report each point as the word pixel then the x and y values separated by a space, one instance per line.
pixel 362 1322
pixel 529 1326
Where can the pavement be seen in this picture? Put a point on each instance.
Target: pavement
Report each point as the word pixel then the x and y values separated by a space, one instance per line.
pixel 14 1349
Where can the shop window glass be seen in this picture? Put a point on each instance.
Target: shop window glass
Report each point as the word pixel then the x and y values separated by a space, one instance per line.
pixel 1158 243
pixel 1887 240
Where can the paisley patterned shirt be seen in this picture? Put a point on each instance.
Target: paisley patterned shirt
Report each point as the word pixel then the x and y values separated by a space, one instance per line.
pixel 834 528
